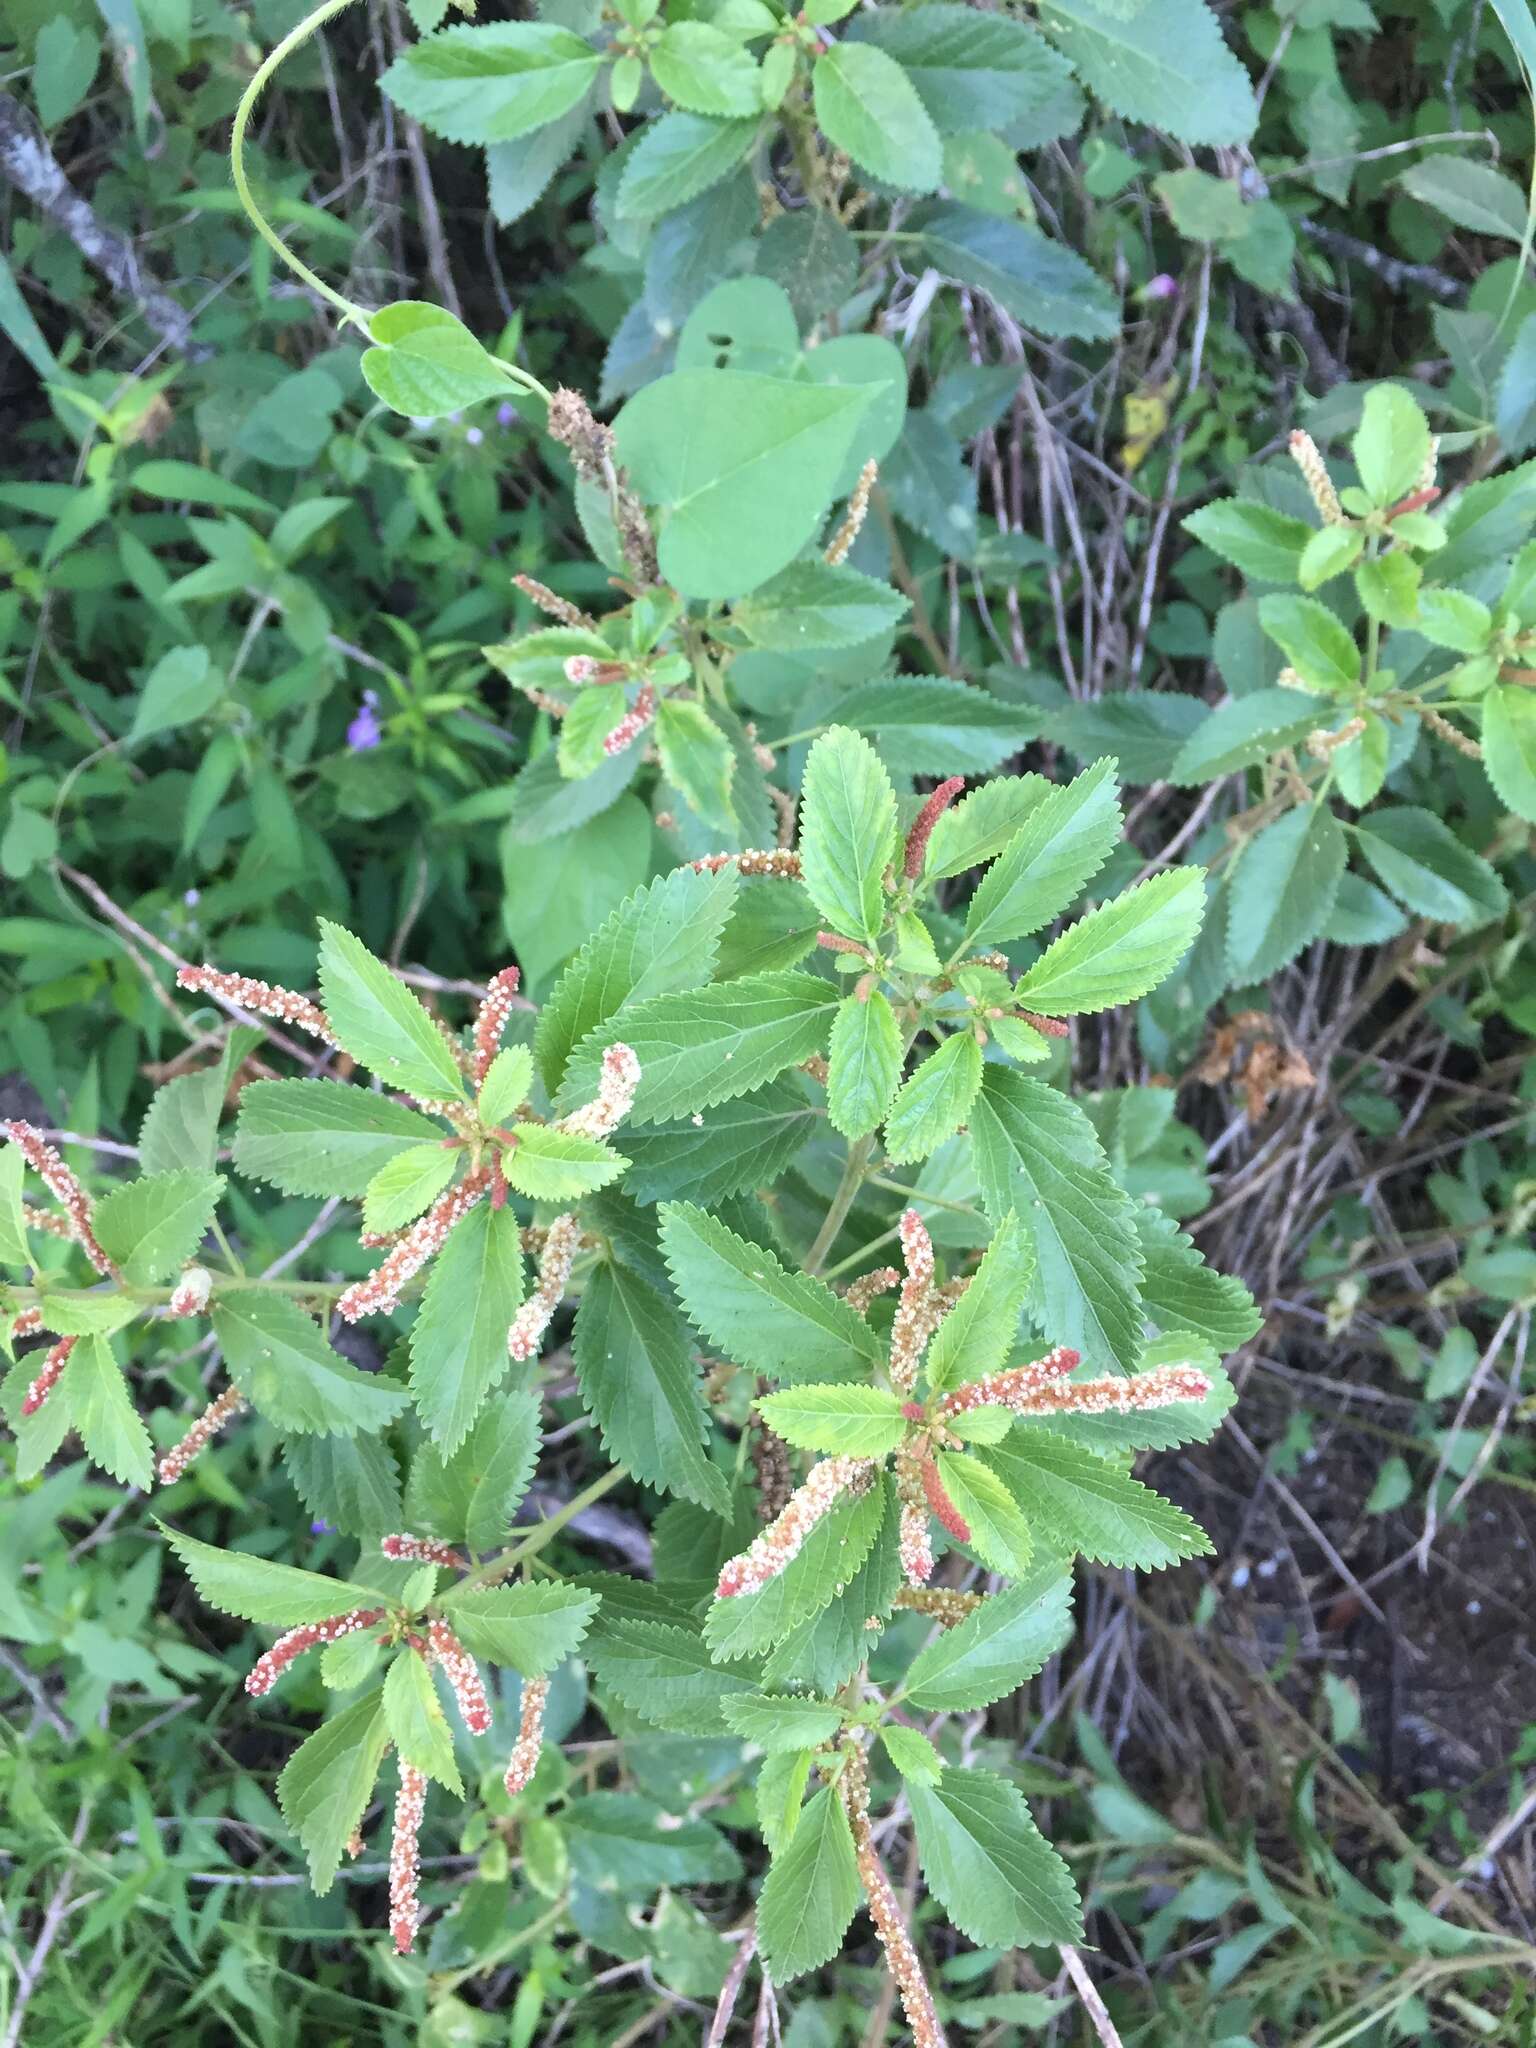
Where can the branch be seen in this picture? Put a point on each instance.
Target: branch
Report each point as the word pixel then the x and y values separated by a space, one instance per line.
pixel 31 166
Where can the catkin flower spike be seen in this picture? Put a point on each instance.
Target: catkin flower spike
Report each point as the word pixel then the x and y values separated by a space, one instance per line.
pixel 1161 1388
pixel 49 1377
pixel 189 1297
pixel 614 1099
pixel 555 606
pixel 263 998
pixel 1308 459
pixel 633 723
pixel 922 826
pixel 65 1188
pixel 310 1635
pixel 405 1858
pixel 853 520
pixel 422 1550
pixel 777 861
pixel 949 1516
pixel 913 1325
pixel 463 1676
pixel 529 1745
pixel 555 1262
pixel 1014 1387
pixel 944 1604
pixel 491 1021
pixel 784 1538
pixel 44 1220
pixel 28 1322
pixel 380 1292
pixel 207 1426
pixel 885 1910
pixel 861 1292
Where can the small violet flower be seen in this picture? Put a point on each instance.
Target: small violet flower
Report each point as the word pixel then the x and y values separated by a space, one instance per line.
pixel 365 731
pixel 1162 286
pixel 506 414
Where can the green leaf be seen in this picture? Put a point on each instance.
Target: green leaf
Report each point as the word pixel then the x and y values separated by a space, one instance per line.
pixel 810 1892
pixel 1391 444
pixel 1037 1154
pixel 696 757
pixel 981 824
pixel 935 1099
pixel 1472 194
pixel 425 363
pixel 862 1422
pixel 407 1184
pixel 721 1151
pixel 664 1673
pixel 492 83
pixel 530 1627
pixel 912 1753
pixel 182 686
pixel 152 1226
pixel 1006 1640
pixel 256 1589
pixel 287 1371
pixel 863 1064
pixel 664 937
pixel 353 1481
pixel 781 1787
pixel 1181 1292
pixel 1076 1501
pixel 978 1333
pixel 784 1324
pixel 815 604
pixel 1069 834
pixel 101 1409
pixel 1041 283
pixel 999 1534
pixel 1243 732
pixel 635 1367
pixel 1203 208
pixel 1509 747
pixel 1121 950
pixel 781 1722
pixel 1282 891
pixel 1320 649
pixel 323 1137
pixel 989 1866
pixel 703 70
pixel 505 1087
pixel 931 725
pixel 459 1337
pixel 971 71
pixel 622 1843
pixel 745 488
pixel 706 1046
pixel 847 832
pixel 471 1496
pixel 550 1165
pixel 1254 537
pixel 817 1578
pixel 65 58
pixel 417 1725
pixel 1166 65
pixel 379 1021
pixel 866 105
pixel 325 1786
pixel 1426 867
pixel 14 1249
pixel 677 158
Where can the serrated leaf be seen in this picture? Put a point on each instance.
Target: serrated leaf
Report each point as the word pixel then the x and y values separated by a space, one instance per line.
pixel 703 70
pixel 1068 836
pixel 14 1249
pixel 982 823
pixel 697 759
pixel 1166 65
pixel 625 1844
pixel 507 1082
pixel 664 1673
pixel 1037 1154
pixel 978 1333
pixel 325 1786
pixel 494 82
pixel 1425 866
pixel 1004 1642
pixel 152 1226
pixel 847 832
pixel 459 1337
pixel 101 1409
pixel 911 1752
pixel 989 1866
pixel 781 1787
pixel 999 1533
pixel 866 105
pixel 860 1421
pixel 1509 747
pixel 529 1627
pixel 472 1496
pixel 379 1021
pixel 705 1046
pixel 781 1722
pixel 744 1300
pixel 814 605
pixel 824 1651
pixel 322 1137
pixel 863 1064
pixel 353 1481
pixel 1120 950
pixel 810 1892
pixel 1039 282
pixel 284 1367
pixel 815 1578
pixel 719 1152
pixel 1317 644
pixel 550 1165
pixel 417 1725
pixel 664 937
pixel 677 158
pixel 1264 543
pixel 407 1184
pixel 256 1589
pixel 635 1367
pixel 1283 888
pixel 935 1098
pixel 1077 1501
pixel 971 71
pixel 1180 1291
pixel 932 725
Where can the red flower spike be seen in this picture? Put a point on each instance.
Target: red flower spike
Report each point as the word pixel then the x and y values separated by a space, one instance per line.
pixel 922 826
pixel 463 1676
pixel 948 1515
pixel 65 1188
pixel 380 1292
pixel 781 1542
pixel 207 1426
pixel 1014 1388
pixel 526 1751
pixel 270 1666
pixel 491 1021
pixel 422 1550
pixel 49 1377
pixel 405 1858
pixel 264 998
pixel 1048 1027
pixel 912 1410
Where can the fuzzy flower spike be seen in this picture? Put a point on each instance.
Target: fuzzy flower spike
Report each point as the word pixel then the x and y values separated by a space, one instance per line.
pixel 784 1538
pixel 66 1190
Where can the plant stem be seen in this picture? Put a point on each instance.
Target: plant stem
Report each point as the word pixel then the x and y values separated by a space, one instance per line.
pixel 501 1567
pixel 847 1190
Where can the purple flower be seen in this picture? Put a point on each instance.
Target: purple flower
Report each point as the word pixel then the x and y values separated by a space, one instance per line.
pixel 365 731
pixel 321 1527
pixel 473 436
pixel 506 414
pixel 1162 286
